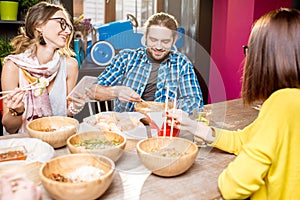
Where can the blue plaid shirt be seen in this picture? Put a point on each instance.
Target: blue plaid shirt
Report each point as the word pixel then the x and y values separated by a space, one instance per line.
pixel 132 68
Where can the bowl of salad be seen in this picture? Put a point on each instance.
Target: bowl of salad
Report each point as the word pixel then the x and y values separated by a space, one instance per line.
pixel 107 143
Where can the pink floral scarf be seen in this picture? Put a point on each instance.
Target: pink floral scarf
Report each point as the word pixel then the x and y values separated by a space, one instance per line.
pixel 36 106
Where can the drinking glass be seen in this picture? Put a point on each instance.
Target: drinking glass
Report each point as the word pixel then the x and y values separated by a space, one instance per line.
pixel 166 131
pixel 201 115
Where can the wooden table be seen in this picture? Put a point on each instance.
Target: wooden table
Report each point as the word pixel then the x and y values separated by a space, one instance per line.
pixel 132 181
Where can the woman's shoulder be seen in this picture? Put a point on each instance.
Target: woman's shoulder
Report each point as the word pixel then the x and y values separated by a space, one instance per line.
pixel 9 65
pixel 71 62
pixel 286 93
pixel 285 98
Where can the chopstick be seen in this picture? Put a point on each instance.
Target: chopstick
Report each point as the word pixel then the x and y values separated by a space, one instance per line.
pixel 6 92
pixel 166 107
pixel 25 89
pixel 172 121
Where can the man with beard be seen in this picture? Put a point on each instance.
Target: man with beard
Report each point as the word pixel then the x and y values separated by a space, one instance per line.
pixel 150 72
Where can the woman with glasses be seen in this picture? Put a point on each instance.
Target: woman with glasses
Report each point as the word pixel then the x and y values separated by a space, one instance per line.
pixel 267 165
pixel 40 72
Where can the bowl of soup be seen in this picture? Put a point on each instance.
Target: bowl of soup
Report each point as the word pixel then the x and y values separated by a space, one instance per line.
pixel 167 156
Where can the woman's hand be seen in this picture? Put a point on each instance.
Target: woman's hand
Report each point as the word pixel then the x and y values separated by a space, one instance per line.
pixel 14 100
pixel 77 102
pixel 18 188
pixel 182 121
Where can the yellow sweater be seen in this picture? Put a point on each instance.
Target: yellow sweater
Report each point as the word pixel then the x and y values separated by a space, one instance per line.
pixel 267 165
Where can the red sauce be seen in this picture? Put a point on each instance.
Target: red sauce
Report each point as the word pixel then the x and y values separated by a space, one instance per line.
pixel 168 131
pixel 60 178
pixel 12 155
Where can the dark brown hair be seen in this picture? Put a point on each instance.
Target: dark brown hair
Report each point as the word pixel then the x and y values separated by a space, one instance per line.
pixel 38 15
pixel 162 19
pixel 273 58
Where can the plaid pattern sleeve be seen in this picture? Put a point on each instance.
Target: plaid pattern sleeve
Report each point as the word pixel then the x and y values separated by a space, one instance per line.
pixel 129 68
pixel 179 74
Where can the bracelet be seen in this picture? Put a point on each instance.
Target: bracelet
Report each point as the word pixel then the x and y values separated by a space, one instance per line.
pixel 74 110
pixel 13 112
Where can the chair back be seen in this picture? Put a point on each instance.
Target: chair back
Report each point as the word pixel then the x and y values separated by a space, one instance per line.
pixel 100 106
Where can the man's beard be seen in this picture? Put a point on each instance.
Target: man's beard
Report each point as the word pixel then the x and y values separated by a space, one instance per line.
pixel 149 53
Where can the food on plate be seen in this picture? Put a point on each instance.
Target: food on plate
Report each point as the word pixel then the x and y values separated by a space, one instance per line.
pixel 97 143
pixel 13 153
pixel 82 174
pixel 115 122
pixel 150 106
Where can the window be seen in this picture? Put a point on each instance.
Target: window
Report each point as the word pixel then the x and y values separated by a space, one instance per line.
pixel 95 9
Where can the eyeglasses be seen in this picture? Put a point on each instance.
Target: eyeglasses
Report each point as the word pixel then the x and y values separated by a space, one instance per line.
pixel 63 23
pixel 245 49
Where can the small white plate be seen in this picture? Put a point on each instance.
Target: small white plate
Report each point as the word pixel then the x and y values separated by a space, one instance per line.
pixel 37 150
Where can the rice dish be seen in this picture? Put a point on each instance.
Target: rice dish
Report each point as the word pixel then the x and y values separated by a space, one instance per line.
pixel 85 173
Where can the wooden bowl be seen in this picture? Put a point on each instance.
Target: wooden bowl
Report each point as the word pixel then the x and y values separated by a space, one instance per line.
pixel 65 165
pixel 54 130
pixel 155 154
pixel 113 153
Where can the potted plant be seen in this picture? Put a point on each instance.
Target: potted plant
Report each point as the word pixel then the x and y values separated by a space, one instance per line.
pixel 9 9
pixel 5 48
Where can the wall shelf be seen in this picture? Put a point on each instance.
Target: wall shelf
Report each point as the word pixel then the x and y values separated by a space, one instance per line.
pixel 12 22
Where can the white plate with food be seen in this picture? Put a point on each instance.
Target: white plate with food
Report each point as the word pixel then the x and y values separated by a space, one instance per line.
pixel 15 151
pixel 125 123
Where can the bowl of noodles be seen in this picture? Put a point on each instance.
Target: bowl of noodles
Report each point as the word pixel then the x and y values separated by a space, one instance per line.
pixel 167 156
pixel 105 143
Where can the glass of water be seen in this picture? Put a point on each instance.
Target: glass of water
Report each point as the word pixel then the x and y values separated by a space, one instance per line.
pixel 201 115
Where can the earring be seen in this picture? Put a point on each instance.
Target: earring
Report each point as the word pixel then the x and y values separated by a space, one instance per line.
pixel 42 40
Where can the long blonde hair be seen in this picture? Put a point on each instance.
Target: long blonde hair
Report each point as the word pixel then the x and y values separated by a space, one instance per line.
pixel 29 36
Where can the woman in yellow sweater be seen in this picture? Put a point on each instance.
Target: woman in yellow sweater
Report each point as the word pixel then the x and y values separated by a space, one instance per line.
pixel 267 165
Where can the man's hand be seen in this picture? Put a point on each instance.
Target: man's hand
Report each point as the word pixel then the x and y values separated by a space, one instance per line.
pixel 124 94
